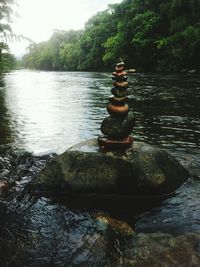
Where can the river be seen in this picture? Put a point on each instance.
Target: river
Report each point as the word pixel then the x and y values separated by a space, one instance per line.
pixel 42 113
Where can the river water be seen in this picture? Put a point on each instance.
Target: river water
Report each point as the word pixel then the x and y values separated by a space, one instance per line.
pixel 44 112
pixel 47 112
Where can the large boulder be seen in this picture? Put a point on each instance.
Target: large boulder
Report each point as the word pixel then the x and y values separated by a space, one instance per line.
pixel 142 169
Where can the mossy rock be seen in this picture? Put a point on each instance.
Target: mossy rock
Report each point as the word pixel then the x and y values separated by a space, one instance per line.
pixel 142 169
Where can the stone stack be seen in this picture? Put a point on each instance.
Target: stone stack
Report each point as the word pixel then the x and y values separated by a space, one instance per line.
pixel 117 127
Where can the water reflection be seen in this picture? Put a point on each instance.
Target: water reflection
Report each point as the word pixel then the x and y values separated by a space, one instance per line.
pixel 167 109
pixel 5 129
pixel 50 111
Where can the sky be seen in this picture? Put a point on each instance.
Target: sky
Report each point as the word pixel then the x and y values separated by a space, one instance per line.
pixel 37 19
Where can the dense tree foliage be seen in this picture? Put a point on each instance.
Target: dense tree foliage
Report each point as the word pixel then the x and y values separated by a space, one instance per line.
pixel 55 54
pixel 150 35
pixel 7 61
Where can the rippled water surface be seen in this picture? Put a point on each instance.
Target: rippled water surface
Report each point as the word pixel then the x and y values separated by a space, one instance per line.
pixel 47 112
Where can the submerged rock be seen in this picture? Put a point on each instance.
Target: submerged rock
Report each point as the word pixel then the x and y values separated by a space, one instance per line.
pixel 142 169
pixel 4 186
pixel 162 250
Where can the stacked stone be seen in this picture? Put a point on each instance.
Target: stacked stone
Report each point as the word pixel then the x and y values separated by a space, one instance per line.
pixel 117 127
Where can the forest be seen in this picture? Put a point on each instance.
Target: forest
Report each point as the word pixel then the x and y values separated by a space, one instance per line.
pixel 149 35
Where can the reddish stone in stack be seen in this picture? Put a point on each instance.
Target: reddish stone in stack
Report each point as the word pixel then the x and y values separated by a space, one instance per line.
pixel 117 127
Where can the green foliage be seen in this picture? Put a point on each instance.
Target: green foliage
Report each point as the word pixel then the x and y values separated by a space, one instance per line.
pixel 7 60
pixel 150 35
pixel 55 54
pixel 98 29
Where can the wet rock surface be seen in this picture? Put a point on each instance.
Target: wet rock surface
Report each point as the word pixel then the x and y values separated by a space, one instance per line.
pixel 142 169
pixel 163 250
pixel 41 231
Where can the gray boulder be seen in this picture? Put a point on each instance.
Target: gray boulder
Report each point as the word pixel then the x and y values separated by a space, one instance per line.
pixel 142 169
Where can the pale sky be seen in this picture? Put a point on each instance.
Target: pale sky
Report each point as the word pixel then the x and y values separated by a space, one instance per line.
pixel 38 18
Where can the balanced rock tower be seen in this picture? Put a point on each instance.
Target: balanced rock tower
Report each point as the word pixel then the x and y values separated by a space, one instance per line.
pixel 117 127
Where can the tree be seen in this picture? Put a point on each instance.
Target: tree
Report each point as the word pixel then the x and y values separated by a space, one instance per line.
pixel 97 30
pixel 58 53
pixel 5 32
